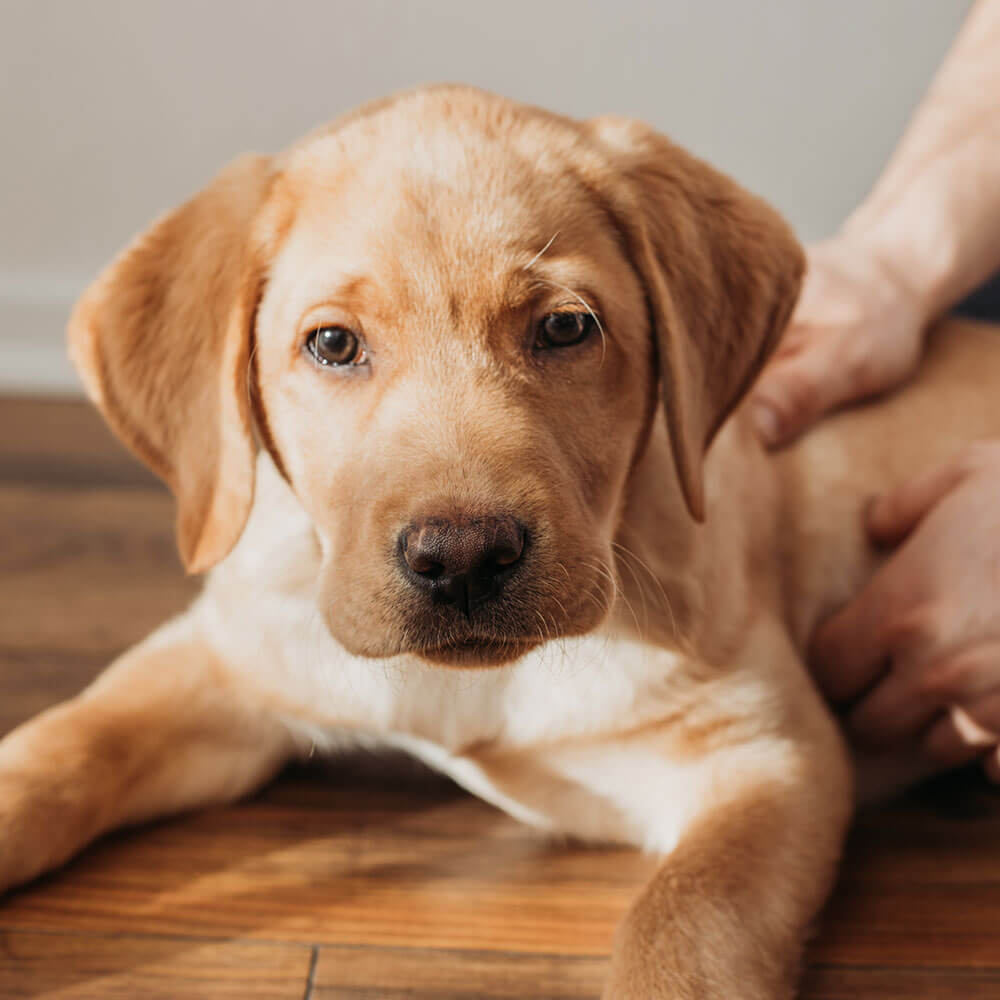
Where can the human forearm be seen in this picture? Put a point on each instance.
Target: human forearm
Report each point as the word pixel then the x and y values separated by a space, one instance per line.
pixel 933 218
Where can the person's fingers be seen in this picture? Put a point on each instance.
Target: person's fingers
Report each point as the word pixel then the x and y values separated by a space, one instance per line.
pixel 961 689
pixel 895 711
pixel 795 390
pixel 964 733
pixel 945 745
pixel 892 517
pixel 851 649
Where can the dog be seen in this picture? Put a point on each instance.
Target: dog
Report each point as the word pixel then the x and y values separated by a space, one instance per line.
pixel 434 391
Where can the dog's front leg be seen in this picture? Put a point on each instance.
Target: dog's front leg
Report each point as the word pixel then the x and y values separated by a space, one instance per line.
pixel 166 728
pixel 727 915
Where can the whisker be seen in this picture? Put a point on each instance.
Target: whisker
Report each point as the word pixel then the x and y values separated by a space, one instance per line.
pixel 639 587
pixel 619 594
pixel 534 260
pixel 664 597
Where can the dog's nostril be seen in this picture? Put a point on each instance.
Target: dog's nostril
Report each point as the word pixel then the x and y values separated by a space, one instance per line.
pixel 508 552
pixel 421 563
pixel 463 561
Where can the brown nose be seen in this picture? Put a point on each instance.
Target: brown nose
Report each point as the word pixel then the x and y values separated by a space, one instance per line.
pixel 462 562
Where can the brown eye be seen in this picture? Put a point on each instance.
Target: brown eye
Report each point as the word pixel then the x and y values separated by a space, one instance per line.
pixel 563 329
pixel 335 346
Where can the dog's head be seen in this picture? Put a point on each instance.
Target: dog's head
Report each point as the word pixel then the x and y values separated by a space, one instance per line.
pixel 450 318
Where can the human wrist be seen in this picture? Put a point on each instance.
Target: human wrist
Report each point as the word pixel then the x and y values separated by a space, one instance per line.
pixel 915 248
pixel 888 304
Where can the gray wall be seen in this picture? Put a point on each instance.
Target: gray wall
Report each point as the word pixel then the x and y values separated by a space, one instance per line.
pixel 111 111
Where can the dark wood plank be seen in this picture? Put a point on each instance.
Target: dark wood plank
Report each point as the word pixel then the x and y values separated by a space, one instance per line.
pixel 86 570
pixel 840 982
pixel 64 442
pixel 438 974
pixel 84 573
pixel 920 881
pixel 94 967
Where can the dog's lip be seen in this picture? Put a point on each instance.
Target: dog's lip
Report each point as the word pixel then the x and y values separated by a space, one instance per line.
pixel 484 650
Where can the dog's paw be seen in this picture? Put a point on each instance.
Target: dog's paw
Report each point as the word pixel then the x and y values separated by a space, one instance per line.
pixel 660 962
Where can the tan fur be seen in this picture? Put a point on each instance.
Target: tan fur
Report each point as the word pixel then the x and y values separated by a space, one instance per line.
pixel 652 690
pixel 162 341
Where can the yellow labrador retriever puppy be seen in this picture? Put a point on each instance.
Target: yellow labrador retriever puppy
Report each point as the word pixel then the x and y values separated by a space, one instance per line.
pixel 434 390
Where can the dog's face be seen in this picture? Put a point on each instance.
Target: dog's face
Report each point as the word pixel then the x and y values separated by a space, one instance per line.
pixel 454 363
pixel 454 316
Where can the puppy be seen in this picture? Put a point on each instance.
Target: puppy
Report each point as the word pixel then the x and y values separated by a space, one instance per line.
pixel 434 391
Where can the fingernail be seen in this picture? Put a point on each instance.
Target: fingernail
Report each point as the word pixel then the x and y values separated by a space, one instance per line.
pixel 972 732
pixel 765 418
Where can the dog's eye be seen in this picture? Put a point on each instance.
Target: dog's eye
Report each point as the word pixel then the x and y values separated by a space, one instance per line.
pixel 563 329
pixel 336 346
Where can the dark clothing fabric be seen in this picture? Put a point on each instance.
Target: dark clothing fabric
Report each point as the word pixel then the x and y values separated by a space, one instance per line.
pixel 983 303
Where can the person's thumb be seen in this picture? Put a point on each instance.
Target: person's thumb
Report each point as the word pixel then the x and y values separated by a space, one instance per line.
pixel 794 392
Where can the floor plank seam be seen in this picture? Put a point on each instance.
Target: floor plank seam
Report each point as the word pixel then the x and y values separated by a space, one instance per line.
pixel 311 978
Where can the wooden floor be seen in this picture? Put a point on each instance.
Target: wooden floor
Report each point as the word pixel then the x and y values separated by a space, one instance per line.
pixel 340 882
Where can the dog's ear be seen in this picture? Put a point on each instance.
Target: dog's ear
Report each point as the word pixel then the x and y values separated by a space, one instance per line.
pixel 162 341
pixel 721 270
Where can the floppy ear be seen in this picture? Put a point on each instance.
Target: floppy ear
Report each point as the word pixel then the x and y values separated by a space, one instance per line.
pixel 722 272
pixel 162 341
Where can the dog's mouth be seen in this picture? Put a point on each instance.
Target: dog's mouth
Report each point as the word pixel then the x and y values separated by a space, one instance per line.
pixel 499 640
pixel 478 651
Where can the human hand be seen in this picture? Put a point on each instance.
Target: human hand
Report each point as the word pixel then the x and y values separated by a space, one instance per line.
pixel 925 631
pixel 857 331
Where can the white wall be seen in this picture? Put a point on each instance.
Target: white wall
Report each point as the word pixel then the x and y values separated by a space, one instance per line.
pixel 112 111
